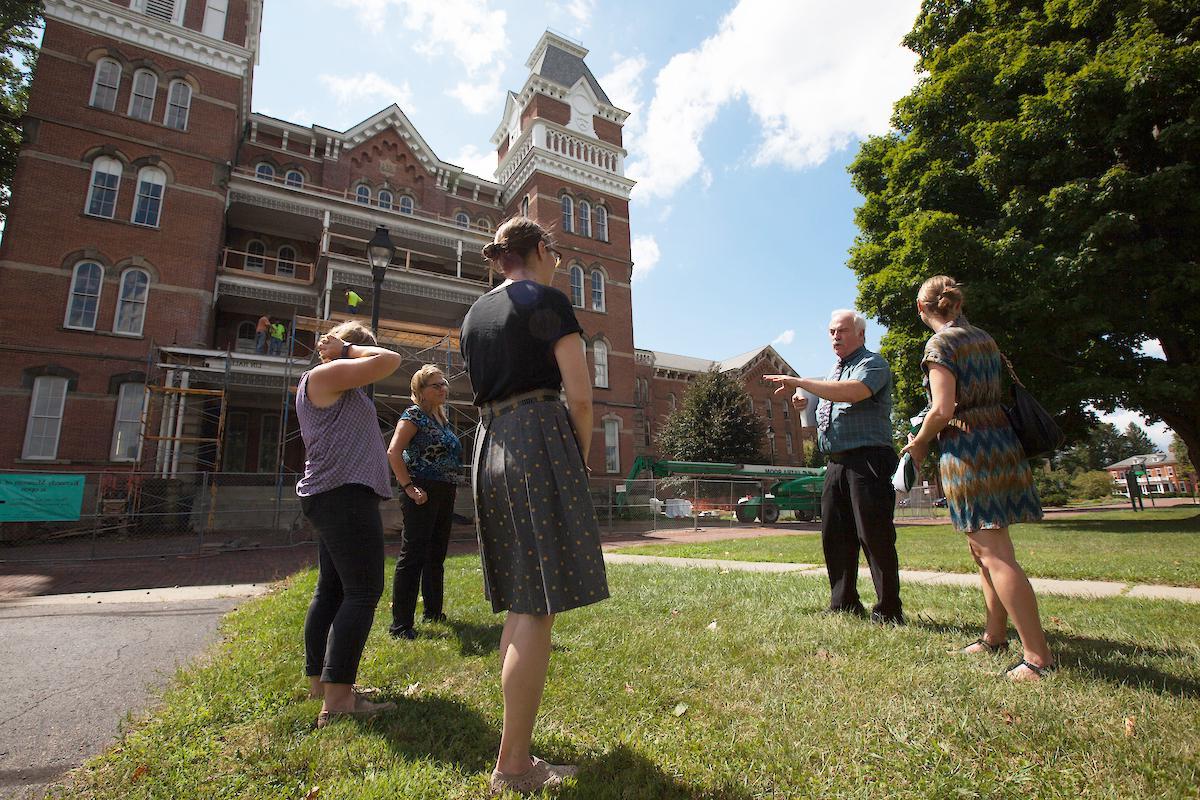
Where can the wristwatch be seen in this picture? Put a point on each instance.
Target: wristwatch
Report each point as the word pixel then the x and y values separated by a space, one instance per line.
pixel 346 349
pixel 404 488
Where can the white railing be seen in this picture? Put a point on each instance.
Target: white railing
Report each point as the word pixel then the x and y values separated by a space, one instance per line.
pixel 599 156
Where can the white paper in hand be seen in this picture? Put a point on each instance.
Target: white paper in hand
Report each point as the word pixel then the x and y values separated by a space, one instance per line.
pixel 906 474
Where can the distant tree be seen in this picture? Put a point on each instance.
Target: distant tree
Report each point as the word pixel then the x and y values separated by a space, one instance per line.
pixel 1138 440
pixel 713 423
pixel 1053 488
pixel 1102 446
pixel 813 457
pixel 1094 485
pixel 1049 159
pixel 1183 463
pixel 19 21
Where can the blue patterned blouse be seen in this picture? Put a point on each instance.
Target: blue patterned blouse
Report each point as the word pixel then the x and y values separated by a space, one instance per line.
pixel 434 453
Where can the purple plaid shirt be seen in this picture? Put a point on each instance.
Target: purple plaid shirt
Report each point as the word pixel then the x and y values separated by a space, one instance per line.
pixel 342 444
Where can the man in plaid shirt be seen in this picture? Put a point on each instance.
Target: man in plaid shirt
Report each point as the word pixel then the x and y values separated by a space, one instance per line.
pixel 854 430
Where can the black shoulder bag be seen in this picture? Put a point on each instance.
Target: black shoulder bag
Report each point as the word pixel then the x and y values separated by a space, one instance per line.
pixel 1036 430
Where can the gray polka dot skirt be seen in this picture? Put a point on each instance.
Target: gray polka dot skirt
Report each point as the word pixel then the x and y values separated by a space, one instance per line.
pixel 538 534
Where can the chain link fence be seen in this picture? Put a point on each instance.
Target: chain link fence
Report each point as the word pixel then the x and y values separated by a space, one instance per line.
pixel 136 514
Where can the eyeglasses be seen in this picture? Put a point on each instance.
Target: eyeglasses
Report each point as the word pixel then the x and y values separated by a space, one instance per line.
pixel 557 255
pixel 438 385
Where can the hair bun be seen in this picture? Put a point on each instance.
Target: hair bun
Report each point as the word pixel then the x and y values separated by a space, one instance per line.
pixel 495 250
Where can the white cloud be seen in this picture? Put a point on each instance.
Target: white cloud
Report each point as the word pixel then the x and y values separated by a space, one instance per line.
pixel 645 255
pixel 479 98
pixel 816 76
pixel 350 90
pixel 472 31
pixel 581 12
pixel 787 337
pixel 476 161
pixel 623 85
pixel 1159 433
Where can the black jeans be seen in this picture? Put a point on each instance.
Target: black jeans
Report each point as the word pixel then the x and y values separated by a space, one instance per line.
pixel 857 507
pixel 349 582
pixel 423 546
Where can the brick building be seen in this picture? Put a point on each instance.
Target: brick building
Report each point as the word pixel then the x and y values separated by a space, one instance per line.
pixel 1163 475
pixel 155 218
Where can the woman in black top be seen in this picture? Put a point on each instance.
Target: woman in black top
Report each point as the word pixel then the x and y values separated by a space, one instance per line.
pixel 538 534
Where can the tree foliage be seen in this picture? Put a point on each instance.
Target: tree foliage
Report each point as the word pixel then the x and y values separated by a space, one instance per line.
pixel 19 20
pixel 1094 485
pixel 1101 446
pixel 713 423
pixel 1183 463
pixel 1139 441
pixel 1048 159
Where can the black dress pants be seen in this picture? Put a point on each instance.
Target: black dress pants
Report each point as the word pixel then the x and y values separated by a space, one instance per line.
pixel 857 507
pixel 349 580
pixel 421 564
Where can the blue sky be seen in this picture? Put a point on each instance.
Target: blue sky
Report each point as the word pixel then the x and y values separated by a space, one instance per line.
pixel 745 115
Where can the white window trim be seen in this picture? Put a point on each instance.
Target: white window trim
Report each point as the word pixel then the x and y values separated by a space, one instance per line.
pixel 270 168
pixel 391 199
pixel 287 179
pixel 412 204
pixel 600 366
pixel 567 204
pixel 96 83
pixel 71 297
pixel 462 219
pixel 263 255
pixel 215 14
pixel 613 466
pixel 576 270
pixel 177 9
pixel 187 109
pixel 363 194
pixel 603 307
pixel 117 421
pixel 121 300
pixel 585 218
pixel 43 384
pixel 280 260
pixel 87 209
pixel 137 196
pixel 134 96
pixel 599 211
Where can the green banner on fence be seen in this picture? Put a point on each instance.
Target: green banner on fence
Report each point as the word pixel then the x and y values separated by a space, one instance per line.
pixel 40 497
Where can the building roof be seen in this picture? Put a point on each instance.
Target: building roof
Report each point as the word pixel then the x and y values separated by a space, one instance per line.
pixel 559 59
pixel 684 363
pixel 1152 460
pixel 690 364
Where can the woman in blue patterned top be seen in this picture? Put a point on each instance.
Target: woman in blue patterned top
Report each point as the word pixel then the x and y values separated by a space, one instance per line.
pixel 984 473
pixel 426 457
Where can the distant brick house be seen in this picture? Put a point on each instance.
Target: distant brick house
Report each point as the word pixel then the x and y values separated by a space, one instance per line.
pixel 1162 475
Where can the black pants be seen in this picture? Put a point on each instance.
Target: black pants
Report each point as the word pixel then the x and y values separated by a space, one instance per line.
pixel 857 507
pixel 421 565
pixel 349 582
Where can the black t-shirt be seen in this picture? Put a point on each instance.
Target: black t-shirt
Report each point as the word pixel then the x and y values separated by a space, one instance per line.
pixel 508 340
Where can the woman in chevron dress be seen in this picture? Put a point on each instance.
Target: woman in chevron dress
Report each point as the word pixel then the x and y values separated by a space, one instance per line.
pixel 985 476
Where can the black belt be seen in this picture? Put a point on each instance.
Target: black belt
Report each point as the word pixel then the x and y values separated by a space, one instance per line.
pixel 841 456
pixel 513 402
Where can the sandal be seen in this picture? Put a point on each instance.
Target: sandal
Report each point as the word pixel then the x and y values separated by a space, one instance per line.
pixel 987 647
pixel 539 776
pixel 1038 672
pixel 363 709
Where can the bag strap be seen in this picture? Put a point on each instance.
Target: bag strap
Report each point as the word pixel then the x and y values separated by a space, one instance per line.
pixel 1012 373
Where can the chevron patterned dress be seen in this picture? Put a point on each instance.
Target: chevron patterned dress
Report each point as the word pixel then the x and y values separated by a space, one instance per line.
pixel 985 476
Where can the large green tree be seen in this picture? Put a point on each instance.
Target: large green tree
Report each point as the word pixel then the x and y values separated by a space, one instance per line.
pixel 1049 159
pixel 1140 443
pixel 18 53
pixel 713 423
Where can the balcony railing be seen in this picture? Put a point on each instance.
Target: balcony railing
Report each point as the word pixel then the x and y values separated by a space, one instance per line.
pixel 271 268
pixel 348 196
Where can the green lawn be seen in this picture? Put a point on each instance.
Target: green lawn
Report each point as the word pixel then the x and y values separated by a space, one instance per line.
pixel 775 701
pixel 1160 546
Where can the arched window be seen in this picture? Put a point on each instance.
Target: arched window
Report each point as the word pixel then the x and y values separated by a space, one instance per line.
pixel 255 252
pixel 600 357
pixel 462 220
pixel 788 440
pixel 141 99
pixel 106 180
pixel 244 340
pixel 286 266
pixel 406 204
pixel 568 210
pixel 45 417
pixel 597 290
pixel 105 84
pixel 385 199
pixel 294 178
pixel 484 224
pixel 585 218
pixel 131 304
pixel 363 194
pixel 612 445
pixel 127 428
pixel 86 282
pixel 147 208
pixel 265 171
pixel 601 223
pixel 179 104
pixel 577 286
pixel 525 206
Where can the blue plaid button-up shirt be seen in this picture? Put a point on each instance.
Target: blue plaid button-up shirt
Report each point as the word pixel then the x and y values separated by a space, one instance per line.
pixel 867 423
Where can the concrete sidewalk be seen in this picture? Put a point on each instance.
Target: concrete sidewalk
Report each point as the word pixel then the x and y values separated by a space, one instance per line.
pixel 1144 591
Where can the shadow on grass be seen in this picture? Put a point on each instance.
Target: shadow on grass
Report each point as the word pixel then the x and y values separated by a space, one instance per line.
pixel 441 729
pixel 1181 525
pixel 622 772
pixel 484 640
pixel 1099 658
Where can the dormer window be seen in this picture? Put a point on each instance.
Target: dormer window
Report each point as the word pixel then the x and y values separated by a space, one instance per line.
pixel 166 10
pixel 363 194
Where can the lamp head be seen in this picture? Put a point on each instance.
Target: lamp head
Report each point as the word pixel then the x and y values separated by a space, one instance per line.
pixel 380 250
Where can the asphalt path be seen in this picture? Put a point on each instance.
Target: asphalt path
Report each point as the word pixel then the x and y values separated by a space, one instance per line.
pixel 70 673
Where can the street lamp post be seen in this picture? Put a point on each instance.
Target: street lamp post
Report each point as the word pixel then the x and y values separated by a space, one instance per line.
pixel 380 251
pixel 771 439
